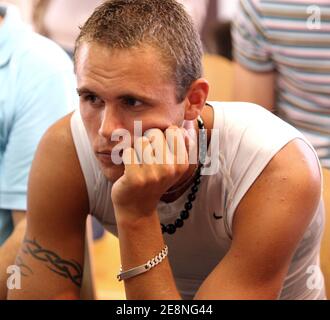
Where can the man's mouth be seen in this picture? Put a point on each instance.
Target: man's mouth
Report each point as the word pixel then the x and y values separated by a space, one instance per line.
pixel 106 156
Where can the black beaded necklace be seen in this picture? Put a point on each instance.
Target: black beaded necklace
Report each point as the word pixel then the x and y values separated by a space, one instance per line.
pixel 184 215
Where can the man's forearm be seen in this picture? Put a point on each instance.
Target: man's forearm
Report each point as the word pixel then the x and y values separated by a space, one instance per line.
pixel 8 252
pixel 140 240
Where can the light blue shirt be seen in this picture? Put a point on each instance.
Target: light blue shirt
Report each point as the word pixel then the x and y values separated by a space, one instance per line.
pixel 37 87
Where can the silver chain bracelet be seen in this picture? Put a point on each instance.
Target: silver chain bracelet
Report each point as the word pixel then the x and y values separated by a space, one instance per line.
pixel 144 267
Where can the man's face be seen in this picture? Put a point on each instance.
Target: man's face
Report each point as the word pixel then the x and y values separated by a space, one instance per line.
pixel 118 87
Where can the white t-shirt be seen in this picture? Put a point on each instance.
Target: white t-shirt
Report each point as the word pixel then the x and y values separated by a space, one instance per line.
pixel 247 138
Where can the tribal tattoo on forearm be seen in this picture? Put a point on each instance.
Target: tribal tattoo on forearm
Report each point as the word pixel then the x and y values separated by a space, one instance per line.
pixel 68 269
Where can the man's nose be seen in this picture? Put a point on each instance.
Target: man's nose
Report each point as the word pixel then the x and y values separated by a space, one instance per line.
pixel 110 122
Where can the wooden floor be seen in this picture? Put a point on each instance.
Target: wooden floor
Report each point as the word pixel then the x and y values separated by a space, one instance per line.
pixel 106 266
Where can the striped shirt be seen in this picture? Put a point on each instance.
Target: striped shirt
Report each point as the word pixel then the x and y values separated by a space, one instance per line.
pixel 291 37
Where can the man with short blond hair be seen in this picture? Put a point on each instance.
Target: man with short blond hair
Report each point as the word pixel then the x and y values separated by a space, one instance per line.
pixel 248 229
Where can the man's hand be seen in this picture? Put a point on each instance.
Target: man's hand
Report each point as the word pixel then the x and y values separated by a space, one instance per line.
pixel 156 163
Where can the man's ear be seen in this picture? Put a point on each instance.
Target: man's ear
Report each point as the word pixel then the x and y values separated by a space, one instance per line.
pixel 196 98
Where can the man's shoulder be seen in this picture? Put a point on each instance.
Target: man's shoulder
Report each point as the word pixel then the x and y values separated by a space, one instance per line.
pixel 56 164
pixel 58 138
pixel 292 175
pixel 60 132
pixel 57 143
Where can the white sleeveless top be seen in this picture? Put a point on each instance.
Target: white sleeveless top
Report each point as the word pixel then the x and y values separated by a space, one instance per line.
pixel 248 137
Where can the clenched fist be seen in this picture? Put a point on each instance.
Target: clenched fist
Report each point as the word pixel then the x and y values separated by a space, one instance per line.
pixel 155 163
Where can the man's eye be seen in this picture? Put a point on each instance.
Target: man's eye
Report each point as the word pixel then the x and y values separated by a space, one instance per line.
pixel 92 99
pixel 132 102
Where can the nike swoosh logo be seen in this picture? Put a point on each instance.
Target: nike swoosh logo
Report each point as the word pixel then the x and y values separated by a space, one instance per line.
pixel 217 217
